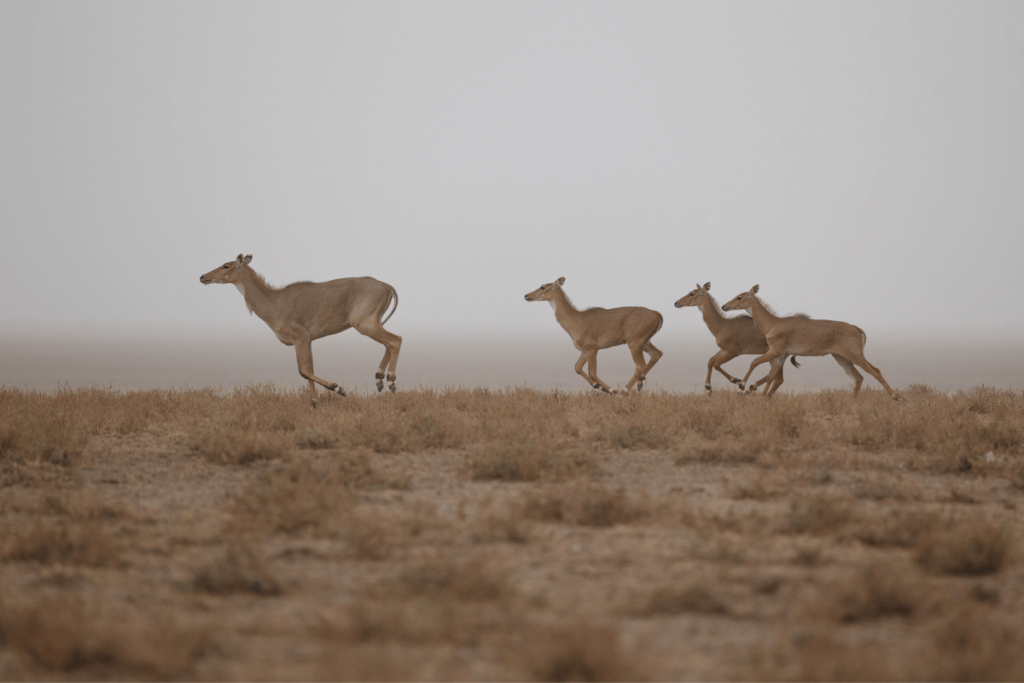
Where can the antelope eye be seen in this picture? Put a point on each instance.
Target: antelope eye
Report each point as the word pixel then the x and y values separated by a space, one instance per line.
pixel 226 265
pixel 543 287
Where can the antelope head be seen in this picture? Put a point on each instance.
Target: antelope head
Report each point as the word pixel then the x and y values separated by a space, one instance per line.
pixel 228 273
pixel 546 292
pixel 743 301
pixel 694 298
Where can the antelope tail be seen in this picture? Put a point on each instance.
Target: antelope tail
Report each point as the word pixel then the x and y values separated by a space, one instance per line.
pixel 792 359
pixel 394 294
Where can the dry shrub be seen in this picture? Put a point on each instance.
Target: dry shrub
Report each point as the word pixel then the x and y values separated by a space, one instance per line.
pixel 758 489
pixel 64 633
pixel 699 597
pixel 79 542
pixel 825 657
pixel 319 499
pixel 969 547
pixel 636 437
pixel 571 651
pixel 894 527
pixel 238 447
pixel 315 438
pixel 240 570
pixel 875 591
pixel 469 580
pixel 819 514
pixel 974 643
pixel 726 451
pixel 583 503
pixel 807 554
pixel 368 536
pixel 293 499
pixel 506 524
pixel 529 461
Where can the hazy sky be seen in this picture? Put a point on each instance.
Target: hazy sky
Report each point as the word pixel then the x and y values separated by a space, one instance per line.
pixel 861 161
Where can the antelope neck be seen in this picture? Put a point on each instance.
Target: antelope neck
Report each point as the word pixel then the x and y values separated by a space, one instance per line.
pixel 712 317
pixel 256 293
pixel 763 318
pixel 565 313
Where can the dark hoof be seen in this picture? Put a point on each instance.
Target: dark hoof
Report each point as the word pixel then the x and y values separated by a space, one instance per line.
pixel 639 386
pixel 338 390
pixel 707 388
pixel 312 403
pixel 737 381
pixel 606 391
pixel 380 386
pixel 392 387
pixel 596 385
pixel 742 388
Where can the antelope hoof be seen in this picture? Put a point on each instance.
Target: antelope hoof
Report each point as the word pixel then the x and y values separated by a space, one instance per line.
pixel 596 385
pixel 736 380
pixel 380 385
pixel 392 387
pixel 336 389
pixel 606 391
pixel 707 388
pixel 312 403
pixel 639 386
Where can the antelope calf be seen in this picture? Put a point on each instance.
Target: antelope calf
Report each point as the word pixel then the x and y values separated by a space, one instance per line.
pixel 736 336
pixel 304 311
pixel 603 328
pixel 802 336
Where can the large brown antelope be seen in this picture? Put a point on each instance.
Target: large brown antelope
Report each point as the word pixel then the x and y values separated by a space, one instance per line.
pixel 603 328
pixel 802 336
pixel 304 311
pixel 736 336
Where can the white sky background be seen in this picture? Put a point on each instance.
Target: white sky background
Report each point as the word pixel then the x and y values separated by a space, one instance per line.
pixel 861 162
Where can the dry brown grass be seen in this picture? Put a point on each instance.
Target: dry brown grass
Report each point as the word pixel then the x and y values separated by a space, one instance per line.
pixel 516 534
pixel 64 633
pixel 968 547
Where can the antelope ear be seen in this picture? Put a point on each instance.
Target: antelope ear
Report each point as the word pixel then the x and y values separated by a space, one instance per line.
pixel 560 281
pixel 707 286
pixel 755 289
pixel 247 259
pixel 240 258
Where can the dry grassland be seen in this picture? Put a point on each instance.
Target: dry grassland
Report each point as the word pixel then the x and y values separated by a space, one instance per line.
pixel 472 534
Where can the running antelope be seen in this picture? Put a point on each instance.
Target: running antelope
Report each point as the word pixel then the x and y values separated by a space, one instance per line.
pixel 736 336
pixel 603 328
pixel 802 336
pixel 304 311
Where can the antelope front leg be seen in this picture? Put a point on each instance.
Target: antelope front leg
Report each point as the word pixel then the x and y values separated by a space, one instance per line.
pixel 767 357
pixel 304 356
pixel 592 369
pixel 716 363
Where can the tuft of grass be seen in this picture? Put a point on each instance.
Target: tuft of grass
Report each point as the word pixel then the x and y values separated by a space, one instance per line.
pixel 583 503
pixel 699 597
pixel 237 447
pixel 572 651
pixel 819 514
pixel 470 580
pixel 240 570
pixel 65 634
pixel 877 590
pixel 84 543
pixel 970 547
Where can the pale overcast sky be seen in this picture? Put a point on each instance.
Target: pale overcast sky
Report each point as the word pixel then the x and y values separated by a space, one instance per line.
pixel 860 161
